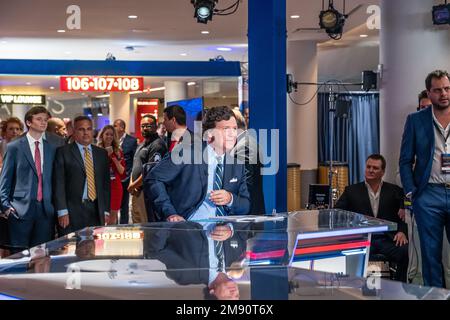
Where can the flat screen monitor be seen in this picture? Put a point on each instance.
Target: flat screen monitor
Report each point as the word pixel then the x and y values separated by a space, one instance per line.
pixel 319 195
pixel 192 107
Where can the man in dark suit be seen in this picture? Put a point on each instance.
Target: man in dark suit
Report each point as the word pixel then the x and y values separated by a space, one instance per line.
pixel 425 173
pixel 128 144
pixel 201 181
pixel 26 184
pixel 382 200
pixel 246 151
pixel 188 245
pixel 175 123
pixel 81 181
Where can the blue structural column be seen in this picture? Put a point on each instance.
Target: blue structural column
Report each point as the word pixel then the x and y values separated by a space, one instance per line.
pixel 267 88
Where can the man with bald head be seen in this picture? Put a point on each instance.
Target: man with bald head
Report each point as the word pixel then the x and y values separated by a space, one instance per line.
pixel 57 126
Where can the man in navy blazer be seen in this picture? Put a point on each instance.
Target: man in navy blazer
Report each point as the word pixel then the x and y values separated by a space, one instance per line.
pixel 26 184
pixel 425 173
pixel 182 184
pixel 128 144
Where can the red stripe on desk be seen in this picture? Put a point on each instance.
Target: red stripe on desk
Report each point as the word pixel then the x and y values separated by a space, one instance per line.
pixel 333 247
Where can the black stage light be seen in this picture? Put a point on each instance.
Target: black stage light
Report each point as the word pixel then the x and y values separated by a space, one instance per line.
pixel 204 10
pixel 441 14
pixel 332 21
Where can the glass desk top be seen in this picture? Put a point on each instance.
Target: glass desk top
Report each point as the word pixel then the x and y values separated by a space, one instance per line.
pixel 178 261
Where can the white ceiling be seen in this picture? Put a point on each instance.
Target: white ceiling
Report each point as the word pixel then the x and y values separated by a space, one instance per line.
pixel 163 31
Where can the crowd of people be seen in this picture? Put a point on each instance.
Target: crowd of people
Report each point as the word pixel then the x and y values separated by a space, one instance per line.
pixel 55 179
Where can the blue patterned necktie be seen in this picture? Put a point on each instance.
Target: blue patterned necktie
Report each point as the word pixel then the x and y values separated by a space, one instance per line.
pixel 218 245
pixel 218 176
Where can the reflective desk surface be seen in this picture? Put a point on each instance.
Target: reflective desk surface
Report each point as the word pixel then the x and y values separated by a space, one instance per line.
pixel 179 261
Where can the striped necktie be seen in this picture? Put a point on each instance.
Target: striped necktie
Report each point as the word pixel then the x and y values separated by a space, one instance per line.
pixel 218 245
pixel 218 176
pixel 89 167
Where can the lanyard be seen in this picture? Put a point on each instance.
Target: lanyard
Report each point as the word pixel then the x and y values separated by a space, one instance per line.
pixel 442 134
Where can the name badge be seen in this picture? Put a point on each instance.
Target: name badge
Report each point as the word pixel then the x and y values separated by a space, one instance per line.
pixel 445 162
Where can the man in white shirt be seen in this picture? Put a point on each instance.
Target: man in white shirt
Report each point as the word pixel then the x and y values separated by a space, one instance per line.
pixel 383 200
pixel 26 184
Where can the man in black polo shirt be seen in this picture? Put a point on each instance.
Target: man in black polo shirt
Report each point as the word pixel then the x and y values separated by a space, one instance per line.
pixel 151 150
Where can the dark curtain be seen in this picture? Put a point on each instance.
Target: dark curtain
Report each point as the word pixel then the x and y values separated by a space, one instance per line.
pixel 355 137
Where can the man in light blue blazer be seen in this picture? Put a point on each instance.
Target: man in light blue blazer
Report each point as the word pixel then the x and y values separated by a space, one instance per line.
pixel 26 184
pixel 425 173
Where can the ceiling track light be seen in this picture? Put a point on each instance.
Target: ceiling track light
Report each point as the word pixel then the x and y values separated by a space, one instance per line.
pixel 205 9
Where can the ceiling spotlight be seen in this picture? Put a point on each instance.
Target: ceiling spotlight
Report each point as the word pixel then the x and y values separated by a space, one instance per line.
pixel 295 16
pixel 333 21
pixel 52 88
pixel 132 17
pixel 61 30
pixel 203 10
pixel 205 32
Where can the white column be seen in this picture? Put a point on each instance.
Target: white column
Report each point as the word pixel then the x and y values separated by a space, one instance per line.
pixel 302 120
pixel 119 108
pixel 175 90
pixel 410 48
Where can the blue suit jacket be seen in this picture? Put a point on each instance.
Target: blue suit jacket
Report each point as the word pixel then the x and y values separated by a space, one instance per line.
pixel 181 188
pixel 19 180
pixel 129 146
pixel 417 150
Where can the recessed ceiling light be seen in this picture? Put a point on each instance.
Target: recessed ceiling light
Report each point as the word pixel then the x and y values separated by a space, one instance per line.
pixel 61 30
pixel 132 17
pixel 205 32
pixel 191 83
pixel 223 49
pixel 183 54
pixel 28 83
pixel 52 88
pixel 363 35
pixel 295 16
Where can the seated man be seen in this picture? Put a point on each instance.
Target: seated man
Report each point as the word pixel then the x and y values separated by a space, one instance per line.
pixel 382 200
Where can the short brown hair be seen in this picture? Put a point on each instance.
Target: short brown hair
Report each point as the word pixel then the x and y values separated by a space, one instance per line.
pixel 436 74
pixel 216 114
pixel 379 157
pixel 36 110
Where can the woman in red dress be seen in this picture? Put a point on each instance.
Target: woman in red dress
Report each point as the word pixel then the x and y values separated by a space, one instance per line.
pixel 108 139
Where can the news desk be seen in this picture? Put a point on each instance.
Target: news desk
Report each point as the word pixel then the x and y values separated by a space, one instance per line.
pixel 300 255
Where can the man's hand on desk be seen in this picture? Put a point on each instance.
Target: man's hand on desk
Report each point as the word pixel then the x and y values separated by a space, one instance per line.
pixel 221 233
pixel 400 239
pixel 175 218
pixel 220 197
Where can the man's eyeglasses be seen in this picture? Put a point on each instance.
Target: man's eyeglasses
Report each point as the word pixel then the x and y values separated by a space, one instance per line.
pixel 148 125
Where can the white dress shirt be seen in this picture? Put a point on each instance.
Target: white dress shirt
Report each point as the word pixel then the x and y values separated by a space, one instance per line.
pixel 374 198
pixel 31 143
pixel 436 175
